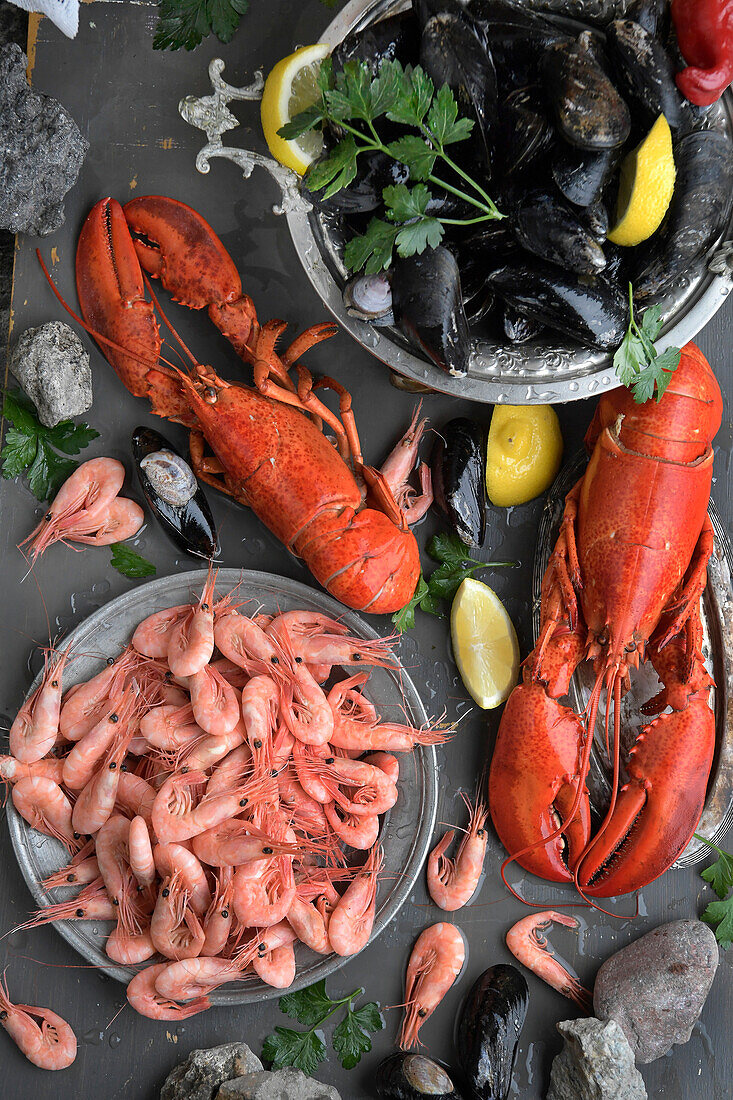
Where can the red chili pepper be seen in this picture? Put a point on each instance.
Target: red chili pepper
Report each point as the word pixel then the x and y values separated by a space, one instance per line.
pixel 705 37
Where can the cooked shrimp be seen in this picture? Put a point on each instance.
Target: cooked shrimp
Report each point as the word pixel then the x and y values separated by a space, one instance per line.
pixel 191 979
pixel 305 813
pixel 276 967
pixel 11 770
pixel 245 643
pixel 145 998
pixel 260 704
pixel 81 869
pixel 129 948
pixel 308 925
pixel 46 1040
pixel 171 726
pixel 36 727
pixel 318 640
pixel 121 520
pixel 86 755
pixel 91 903
pixel 358 831
pixel 135 796
pixel 177 818
pixel 398 466
pixel 191 641
pixel 202 755
pixel 436 961
pixel 309 762
pixel 282 747
pixel 96 801
pixel 388 763
pixel 526 942
pixel 263 891
pixel 175 929
pixel 349 733
pixel 373 793
pixel 140 851
pixel 219 917
pixel 351 922
pixel 453 882
pixel 152 635
pixel 235 841
pixel 233 769
pixel 174 859
pixel 306 710
pixel 214 702
pixel 114 867
pixel 82 710
pixel 233 674
pixel 82 500
pixel 46 808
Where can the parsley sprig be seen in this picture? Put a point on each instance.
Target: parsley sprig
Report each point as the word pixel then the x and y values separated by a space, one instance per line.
pixel 186 22
pixel 455 565
pixel 307 1049
pixel 129 563
pixel 352 100
pixel 31 449
pixel 720 876
pixel 638 365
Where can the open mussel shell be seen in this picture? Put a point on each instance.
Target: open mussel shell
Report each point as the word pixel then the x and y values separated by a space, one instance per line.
pixel 369 297
pixel 173 494
pixel 589 112
pixel 645 71
pixel 404 1076
pixel 458 467
pixel 546 225
pixel 488 1030
pixel 428 307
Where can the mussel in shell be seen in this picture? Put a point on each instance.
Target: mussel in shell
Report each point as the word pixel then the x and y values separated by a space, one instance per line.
pixel 652 15
pixel 404 1076
pixel 428 307
pixel 369 297
pixel 589 112
pixel 644 70
pixel 546 225
pixel 589 309
pixel 519 329
pixel 595 218
pixel 395 38
pixel 174 495
pixel 515 36
pixel 364 194
pixel 459 478
pixel 488 1031
pixel 697 214
pixel 526 134
pixel 581 174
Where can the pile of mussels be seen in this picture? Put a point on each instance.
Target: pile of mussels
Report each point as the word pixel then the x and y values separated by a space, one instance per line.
pixel 556 105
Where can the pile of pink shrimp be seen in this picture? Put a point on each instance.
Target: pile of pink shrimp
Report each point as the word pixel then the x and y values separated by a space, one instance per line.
pixel 88 509
pixel 211 791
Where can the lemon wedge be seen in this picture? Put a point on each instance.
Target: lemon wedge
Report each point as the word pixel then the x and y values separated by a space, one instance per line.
pixel 523 453
pixel 646 187
pixel 291 87
pixel 485 644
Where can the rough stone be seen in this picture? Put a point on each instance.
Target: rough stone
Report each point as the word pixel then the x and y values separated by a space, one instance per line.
pixel 199 1077
pixel 284 1084
pixel 596 1063
pixel 53 368
pixel 656 986
pixel 41 151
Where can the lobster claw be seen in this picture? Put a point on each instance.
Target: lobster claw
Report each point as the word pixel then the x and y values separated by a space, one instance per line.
pixel 533 784
pixel 657 811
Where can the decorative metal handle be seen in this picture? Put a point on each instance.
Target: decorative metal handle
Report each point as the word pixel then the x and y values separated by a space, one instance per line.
pixel 211 114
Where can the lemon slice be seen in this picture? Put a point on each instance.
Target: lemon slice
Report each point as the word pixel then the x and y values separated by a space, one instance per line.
pixel 646 187
pixel 485 643
pixel 523 453
pixel 290 88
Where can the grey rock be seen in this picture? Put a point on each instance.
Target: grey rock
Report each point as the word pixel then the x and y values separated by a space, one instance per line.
pixel 41 151
pixel 656 986
pixel 53 368
pixel 596 1063
pixel 203 1072
pixel 284 1084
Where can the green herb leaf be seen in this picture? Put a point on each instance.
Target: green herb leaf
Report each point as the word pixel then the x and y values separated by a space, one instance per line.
pixel 720 915
pixel 637 363
pixel 71 438
pixel 447 547
pixel 419 235
pixel 371 251
pixel 337 170
pixel 404 619
pixel 20 411
pixel 720 873
pixel 651 321
pixel 446 579
pixel 412 151
pixel 18 452
pixel 186 22
pixel 414 96
pixel 403 203
pixel 129 563
pixel 303 1049
pixel 48 472
pixel 29 446
pixel 301 123
pixel 308 1006
pixel 443 121
pixel 351 1037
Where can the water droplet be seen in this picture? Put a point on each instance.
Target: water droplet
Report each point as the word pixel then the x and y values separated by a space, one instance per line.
pixel 115 1040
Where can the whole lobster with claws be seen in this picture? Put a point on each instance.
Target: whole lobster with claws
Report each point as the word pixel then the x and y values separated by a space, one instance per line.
pixel 623 585
pixel 263 446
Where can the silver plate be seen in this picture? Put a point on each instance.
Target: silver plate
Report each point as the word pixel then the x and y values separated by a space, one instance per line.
pixel 406 829
pixel 535 373
pixel 717 620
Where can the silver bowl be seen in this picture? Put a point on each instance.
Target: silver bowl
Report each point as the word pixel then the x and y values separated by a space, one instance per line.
pixel 535 373
pixel 405 831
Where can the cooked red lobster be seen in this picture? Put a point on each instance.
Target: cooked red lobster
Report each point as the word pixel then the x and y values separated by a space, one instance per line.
pixel 347 520
pixel 623 585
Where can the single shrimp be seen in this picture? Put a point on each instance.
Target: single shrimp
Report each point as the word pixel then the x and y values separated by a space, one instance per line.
pixel 113 855
pixel 243 642
pixel 306 710
pixel 179 814
pixel 232 769
pixel 129 948
pixel 96 801
pixel 174 859
pixel 526 942
pixel 264 892
pixel 152 636
pixel 140 852
pixel 171 726
pixel 353 731
pixel 435 962
pixel 352 920
pixel 87 753
pixel 308 925
pixel 398 466
pixel 191 979
pixel 202 755
pixel 36 727
pixel 82 500
pixel 191 642
pixel 135 796
pixel 277 966
pixel 236 841
pixel 318 640
pixel 91 903
pixel 214 702
pixel 282 747
pixel 147 1001
pixel 81 869
pixel 453 882
pixel 388 763
pixel 358 831
pixel 121 520
pixel 45 1038
pixel 260 705
pixel 219 917
pixel 82 710
pixel 175 929
pixel 373 790
pixel 11 770
pixel 309 761
pixel 233 674
pixel 45 807
pixel 305 813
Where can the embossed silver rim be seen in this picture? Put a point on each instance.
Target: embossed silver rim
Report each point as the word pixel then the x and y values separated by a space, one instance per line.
pixel 528 375
pixel 406 830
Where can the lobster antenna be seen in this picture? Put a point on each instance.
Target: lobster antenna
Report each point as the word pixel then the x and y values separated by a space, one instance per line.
pixel 167 323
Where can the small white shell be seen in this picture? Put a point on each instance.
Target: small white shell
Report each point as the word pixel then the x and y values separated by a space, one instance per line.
pixel 369 297
pixel 172 479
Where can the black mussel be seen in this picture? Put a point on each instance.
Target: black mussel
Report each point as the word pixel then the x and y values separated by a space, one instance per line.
pixel 369 297
pixel 174 495
pixel 428 307
pixel 589 112
pixel 525 132
pixel 589 309
pixel 458 465
pixel 404 1076
pixel 595 217
pixel 644 70
pixel 652 15
pixel 582 175
pixel 519 329
pixel 546 225
pixel 395 38
pixel 698 212
pixel 617 262
pixel 515 36
pixel 364 194
pixel 488 1031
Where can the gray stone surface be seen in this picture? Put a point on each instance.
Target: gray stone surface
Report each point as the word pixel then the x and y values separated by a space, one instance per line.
pixel 596 1063
pixel 41 151
pixel 656 986
pixel 283 1084
pixel 53 368
pixel 199 1077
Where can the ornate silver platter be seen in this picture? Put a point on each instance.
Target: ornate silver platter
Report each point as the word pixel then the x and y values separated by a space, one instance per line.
pixel 405 832
pixel 717 619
